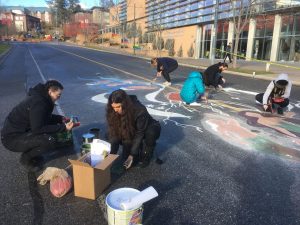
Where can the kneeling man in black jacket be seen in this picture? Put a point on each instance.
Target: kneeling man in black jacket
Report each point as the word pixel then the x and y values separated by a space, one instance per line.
pixel 30 126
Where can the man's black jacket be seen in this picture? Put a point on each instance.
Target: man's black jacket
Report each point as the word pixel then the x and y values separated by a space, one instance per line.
pixel 212 75
pixel 33 114
pixel 168 64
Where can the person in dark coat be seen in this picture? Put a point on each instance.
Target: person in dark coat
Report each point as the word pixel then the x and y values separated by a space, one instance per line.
pixel 164 67
pixel 130 125
pixel 212 75
pixel 30 126
pixel 228 53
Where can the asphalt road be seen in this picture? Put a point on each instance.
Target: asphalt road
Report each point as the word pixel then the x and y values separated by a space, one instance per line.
pixel 224 161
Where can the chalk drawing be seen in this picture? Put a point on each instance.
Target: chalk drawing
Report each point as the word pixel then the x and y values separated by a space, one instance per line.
pixel 155 107
pixel 282 125
pixel 172 108
pixel 152 96
pixel 103 98
pixel 237 132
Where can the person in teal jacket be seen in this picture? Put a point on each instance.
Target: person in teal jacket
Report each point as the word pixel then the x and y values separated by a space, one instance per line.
pixel 193 88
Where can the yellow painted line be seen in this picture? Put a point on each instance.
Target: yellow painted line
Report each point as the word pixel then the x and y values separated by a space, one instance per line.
pixel 227 105
pixel 262 61
pixel 111 67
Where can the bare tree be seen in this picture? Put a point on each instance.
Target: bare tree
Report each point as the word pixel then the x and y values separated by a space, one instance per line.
pixel 106 3
pixel 242 12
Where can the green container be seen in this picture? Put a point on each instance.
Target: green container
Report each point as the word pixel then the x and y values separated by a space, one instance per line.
pixel 64 139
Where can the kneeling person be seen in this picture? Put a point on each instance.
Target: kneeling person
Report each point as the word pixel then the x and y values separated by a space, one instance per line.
pixel 276 95
pixel 193 88
pixel 212 75
pixel 30 127
pixel 130 125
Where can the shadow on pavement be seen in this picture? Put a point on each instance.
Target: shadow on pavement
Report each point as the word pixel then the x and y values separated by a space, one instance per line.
pixel 37 200
pixel 265 192
pixel 153 214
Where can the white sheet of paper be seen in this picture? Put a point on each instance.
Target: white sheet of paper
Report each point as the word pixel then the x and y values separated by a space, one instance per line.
pixel 99 149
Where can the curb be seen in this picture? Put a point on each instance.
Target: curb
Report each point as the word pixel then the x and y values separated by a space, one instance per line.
pixel 260 77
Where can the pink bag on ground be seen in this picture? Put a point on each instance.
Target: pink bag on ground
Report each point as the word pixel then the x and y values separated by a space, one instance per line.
pixel 60 180
pixel 60 185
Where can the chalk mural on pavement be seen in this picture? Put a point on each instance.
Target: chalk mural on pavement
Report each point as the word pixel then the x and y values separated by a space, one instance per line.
pixel 231 120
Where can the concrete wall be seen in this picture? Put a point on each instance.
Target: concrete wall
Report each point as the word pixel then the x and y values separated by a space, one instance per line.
pixel 185 37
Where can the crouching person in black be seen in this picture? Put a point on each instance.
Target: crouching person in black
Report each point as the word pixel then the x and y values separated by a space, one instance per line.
pixel 130 125
pixel 30 126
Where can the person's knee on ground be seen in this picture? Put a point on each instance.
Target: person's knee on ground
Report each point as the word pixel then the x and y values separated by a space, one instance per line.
pixel 259 97
pixel 282 106
pixel 285 103
pixel 114 143
pixel 149 144
pixel 45 143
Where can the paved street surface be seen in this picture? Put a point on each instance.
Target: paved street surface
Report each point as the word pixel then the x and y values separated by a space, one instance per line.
pixel 225 162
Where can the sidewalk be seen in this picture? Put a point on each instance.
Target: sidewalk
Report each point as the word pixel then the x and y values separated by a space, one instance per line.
pixel 251 66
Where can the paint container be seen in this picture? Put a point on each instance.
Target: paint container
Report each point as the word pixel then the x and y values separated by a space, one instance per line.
pixel 116 215
pixel 88 138
pixel 95 132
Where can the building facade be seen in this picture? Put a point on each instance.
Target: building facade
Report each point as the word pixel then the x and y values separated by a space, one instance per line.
pixel 273 34
pixel 100 16
pixel 15 23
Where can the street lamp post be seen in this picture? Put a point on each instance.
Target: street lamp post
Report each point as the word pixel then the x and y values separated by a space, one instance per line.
pixel 214 34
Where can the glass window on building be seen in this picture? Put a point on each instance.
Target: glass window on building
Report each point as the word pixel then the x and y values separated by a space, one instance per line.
pixel 263 37
pixel 242 46
pixel 205 44
pixel 222 36
pixel 289 46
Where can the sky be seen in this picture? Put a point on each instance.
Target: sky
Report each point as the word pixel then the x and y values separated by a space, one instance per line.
pixel 86 4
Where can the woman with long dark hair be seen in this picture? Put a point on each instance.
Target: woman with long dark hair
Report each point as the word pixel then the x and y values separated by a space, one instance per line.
pixel 130 125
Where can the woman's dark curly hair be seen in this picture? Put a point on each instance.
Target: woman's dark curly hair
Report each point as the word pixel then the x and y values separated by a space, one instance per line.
pixel 120 126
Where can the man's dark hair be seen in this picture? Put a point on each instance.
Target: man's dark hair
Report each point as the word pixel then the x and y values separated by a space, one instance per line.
pixel 282 83
pixel 153 60
pixel 223 64
pixel 54 85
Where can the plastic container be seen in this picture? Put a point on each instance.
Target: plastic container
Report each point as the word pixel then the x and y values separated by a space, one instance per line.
pixel 116 215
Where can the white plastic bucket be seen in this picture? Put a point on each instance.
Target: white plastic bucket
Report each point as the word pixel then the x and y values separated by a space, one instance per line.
pixel 116 215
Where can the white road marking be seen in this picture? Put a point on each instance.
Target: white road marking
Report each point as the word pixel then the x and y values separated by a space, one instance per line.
pixel 58 107
pixel 240 91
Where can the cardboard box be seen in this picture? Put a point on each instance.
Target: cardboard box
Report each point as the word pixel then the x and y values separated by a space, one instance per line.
pixel 90 182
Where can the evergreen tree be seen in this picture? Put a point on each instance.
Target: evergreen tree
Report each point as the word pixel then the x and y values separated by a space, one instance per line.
pixel 59 9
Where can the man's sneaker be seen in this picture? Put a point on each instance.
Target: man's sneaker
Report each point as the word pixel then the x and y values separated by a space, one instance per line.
pixel 280 111
pixel 166 84
pixel 195 104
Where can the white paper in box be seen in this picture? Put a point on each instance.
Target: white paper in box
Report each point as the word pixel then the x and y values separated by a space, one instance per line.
pixel 99 150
